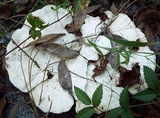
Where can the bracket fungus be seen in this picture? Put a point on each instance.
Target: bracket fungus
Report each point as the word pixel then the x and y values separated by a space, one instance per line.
pixel 50 70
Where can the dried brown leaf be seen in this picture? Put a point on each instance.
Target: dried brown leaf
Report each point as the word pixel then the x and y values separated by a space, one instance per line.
pixel 100 13
pixel 148 17
pixel 78 22
pixel 79 19
pixel 149 35
pixel 2 105
pixel 91 9
pixel 64 76
pixel 45 38
pixel 100 68
pixel 113 8
pixel 59 50
pixel 129 77
pixel 20 2
pixel 3 71
pixel 5 11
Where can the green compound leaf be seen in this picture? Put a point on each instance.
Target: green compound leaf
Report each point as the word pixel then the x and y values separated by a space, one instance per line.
pixel 128 43
pixel 35 33
pixel 85 113
pixel 114 113
pixel 119 112
pixel 126 114
pixel 82 96
pixel 97 96
pixel 146 95
pixel 151 78
pixel 124 99
pixel 36 22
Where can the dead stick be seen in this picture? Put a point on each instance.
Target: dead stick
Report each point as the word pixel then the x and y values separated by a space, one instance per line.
pixel 26 54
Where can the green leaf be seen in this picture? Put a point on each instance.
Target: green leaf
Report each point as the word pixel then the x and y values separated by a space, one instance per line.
pixel 35 33
pixel 151 78
pixel 96 48
pixel 14 111
pixel 114 113
pixel 118 61
pixel 82 96
pixel 126 114
pixel 146 95
pixel 36 22
pixel 31 19
pixel 97 96
pixel 85 113
pixel 124 99
pixel 158 93
pixel 128 43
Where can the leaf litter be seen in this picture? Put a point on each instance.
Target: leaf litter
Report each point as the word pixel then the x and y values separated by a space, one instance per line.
pixel 59 50
pixel 79 19
pixel 64 76
pixel 44 38
pixel 129 77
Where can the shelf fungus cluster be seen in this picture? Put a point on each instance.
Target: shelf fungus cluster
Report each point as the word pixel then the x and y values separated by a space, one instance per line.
pixel 65 56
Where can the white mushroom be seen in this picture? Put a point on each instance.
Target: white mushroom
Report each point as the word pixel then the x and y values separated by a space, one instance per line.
pixel 24 73
pixel 46 90
pixel 124 27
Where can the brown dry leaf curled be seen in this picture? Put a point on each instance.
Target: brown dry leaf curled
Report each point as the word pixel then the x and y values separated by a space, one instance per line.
pixel 45 38
pixel 59 50
pixel 79 19
pixel 64 76
pixel 100 68
pixel 129 77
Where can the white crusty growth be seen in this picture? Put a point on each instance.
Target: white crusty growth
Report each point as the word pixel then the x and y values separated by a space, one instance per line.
pixel 43 82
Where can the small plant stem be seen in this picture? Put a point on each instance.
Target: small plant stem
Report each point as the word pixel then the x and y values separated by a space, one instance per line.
pixel 26 53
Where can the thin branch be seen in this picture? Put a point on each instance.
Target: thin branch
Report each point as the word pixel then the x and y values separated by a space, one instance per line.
pixel 35 62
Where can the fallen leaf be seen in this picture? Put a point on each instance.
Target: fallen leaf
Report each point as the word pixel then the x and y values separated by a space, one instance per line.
pixel 5 10
pixel 149 35
pixel 101 67
pixel 64 76
pixel 59 50
pixel 93 8
pixel 2 105
pixel 14 111
pixel 20 2
pixel 3 71
pixel 113 55
pixel 79 19
pixel 100 13
pixel 129 77
pixel 148 17
pixel 78 22
pixel 45 38
pixel 113 8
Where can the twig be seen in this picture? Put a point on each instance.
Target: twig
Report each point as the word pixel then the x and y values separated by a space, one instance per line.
pixel 26 54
